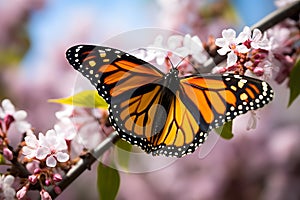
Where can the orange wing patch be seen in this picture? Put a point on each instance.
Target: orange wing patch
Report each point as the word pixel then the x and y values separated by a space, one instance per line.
pixel 180 127
pixel 137 115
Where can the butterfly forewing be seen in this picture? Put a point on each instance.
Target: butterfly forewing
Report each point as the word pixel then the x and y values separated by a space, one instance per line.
pixel 111 71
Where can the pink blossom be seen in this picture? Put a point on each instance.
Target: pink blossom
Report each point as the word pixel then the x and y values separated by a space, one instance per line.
pixel 231 44
pixel 57 177
pixel 7 153
pixel 50 146
pixel 33 167
pixel 32 145
pixel 192 46
pixel 45 195
pixel 22 192
pixel 80 125
pixel 32 179
pixel 179 45
pixel 8 109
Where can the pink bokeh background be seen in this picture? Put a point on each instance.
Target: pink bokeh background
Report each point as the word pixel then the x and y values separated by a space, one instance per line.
pixel 262 163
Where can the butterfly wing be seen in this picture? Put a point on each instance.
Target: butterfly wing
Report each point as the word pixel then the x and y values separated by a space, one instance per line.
pixel 218 99
pixel 202 103
pixel 149 114
pixel 110 70
pixel 157 126
pixel 128 86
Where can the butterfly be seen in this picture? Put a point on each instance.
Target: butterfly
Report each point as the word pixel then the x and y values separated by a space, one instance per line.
pixel 163 113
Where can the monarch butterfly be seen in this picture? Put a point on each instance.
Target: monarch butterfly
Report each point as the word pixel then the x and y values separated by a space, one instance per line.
pixel 165 114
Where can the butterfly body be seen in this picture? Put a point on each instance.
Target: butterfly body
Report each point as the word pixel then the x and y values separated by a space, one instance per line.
pixel 164 113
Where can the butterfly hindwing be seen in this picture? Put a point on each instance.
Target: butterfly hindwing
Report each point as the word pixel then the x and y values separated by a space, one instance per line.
pixel 220 98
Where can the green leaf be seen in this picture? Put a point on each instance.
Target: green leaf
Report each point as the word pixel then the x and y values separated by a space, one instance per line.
pixel 87 98
pixel 123 153
pixel 225 131
pixel 108 182
pixel 294 83
pixel 2 159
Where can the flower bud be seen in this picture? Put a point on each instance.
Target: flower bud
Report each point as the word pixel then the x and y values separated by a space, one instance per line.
pixel 258 71
pixel 57 177
pixel 7 154
pixel 8 119
pixel 57 190
pixel 21 193
pixel 45 195
pixel 47 182
pixel 32 179
pixel 36 170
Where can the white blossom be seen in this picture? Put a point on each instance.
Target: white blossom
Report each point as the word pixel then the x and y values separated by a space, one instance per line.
pixel 51 146
pixel 7 108
pixel 7 192
pixel 231 44
pixel 192 46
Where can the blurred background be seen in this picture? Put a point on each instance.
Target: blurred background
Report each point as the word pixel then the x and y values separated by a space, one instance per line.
pixel 259 164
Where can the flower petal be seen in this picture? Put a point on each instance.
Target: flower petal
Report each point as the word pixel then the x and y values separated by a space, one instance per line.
pixel 31 141
pixel 8 106
pixel 231 59
pixel 9 180
pixel 223 51
pixel 174 41
pixel 187 41
pixel 42 153
pixel 242 49
pixel 62 157
pixel 220 42
pixel 229 35
pixel 244 35
pixel 28 152
pixel 20 115
pixel 9 193
pixel 257 34
pixel 182 51
pixel 51 161
pixel 22 126
pixel 200 57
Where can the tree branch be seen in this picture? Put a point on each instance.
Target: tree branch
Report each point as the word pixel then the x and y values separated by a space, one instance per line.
pixel 85 163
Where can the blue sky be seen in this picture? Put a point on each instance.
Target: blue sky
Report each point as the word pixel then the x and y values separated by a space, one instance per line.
pixel 51 25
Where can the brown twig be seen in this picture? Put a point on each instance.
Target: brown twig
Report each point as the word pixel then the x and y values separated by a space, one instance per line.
pixel 85 163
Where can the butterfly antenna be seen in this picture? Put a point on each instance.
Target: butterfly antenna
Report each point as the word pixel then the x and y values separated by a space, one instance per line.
pixel 168 62
pixel 182 59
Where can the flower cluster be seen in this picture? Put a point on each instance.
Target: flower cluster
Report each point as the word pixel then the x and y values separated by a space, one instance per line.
pixel 6 190
pixel 10 119
pixel 247 50
pixel 9 116
pixel 261 53
pixel 50 147
pixel 183 50
pixel 44 158
pixel 85 127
